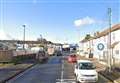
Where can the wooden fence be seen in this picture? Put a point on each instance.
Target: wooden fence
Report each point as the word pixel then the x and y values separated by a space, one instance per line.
pixel 6 55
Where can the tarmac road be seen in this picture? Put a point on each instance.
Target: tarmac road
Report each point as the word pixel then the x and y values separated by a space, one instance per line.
pixel 56 70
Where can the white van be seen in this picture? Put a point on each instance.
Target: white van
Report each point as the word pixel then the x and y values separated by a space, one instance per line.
pixel 85 71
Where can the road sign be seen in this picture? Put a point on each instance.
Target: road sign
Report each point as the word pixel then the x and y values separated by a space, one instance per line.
pixel 100 46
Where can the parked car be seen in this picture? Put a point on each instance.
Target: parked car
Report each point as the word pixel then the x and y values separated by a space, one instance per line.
pixel 72 58
pixel 85 71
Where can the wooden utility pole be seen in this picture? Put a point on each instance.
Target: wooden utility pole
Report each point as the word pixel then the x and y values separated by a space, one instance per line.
pixel 24 26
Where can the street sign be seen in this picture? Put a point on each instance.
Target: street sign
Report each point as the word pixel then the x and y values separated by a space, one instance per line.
pixel 100 46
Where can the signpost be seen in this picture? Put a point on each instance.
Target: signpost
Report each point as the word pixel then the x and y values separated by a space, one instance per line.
pixel 100 46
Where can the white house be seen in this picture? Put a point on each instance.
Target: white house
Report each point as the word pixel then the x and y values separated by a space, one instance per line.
pixel 101 51
pixel 103 37
pixel 86 47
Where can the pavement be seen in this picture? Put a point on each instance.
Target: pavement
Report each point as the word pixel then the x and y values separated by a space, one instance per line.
pixel 9 70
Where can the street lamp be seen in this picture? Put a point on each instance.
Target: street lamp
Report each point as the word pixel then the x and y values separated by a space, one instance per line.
pixel 41 38
pixel 24 36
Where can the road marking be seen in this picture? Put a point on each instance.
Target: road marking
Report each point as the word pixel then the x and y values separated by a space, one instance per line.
pixel 62 71
pixel 62 80
pixel 66 81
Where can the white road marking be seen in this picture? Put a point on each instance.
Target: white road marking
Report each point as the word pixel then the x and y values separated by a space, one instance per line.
pixel 62 80
pixel 62 71
pixel 66 81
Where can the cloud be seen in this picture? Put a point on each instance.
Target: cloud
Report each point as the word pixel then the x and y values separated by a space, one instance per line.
pixel 3 35
pixel 84 21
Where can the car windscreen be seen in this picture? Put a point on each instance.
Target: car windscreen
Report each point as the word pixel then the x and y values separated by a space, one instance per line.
pixel 86 65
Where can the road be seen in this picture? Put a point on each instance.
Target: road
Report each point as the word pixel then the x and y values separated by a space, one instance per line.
pixel 56 70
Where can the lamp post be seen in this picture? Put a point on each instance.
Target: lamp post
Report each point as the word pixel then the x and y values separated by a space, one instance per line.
pixel 41 39
pixel 24 36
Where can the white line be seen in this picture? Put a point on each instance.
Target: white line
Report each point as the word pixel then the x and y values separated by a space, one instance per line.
pixel 61 77
pixel 62 71
pixel 66 79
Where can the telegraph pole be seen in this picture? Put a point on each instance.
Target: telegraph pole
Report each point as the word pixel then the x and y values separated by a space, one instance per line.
pixel 109 43
pixel 24 36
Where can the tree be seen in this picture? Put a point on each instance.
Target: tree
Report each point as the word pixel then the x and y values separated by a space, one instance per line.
pixel 88 36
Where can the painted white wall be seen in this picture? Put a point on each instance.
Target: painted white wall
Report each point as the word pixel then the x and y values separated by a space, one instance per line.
pixel 80 49
pixel 86 46
pixel 97 53
pixel 116 50
pixel 115 36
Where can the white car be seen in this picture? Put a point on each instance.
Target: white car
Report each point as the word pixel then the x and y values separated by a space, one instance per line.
pixel 85 71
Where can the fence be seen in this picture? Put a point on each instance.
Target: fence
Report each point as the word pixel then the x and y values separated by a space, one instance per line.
pixel 6 55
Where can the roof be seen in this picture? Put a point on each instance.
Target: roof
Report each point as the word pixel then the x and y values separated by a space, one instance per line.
pixel 107 31
pixel 7 45
pixel 79 61
pixel 85 40
pixel 104 33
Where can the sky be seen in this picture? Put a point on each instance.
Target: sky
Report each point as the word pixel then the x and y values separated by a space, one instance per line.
pixel 58 21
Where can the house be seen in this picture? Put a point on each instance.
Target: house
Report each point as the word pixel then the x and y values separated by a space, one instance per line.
pixel 87 47
pixel 104 38
pixel 99 45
